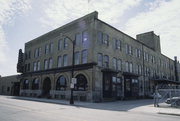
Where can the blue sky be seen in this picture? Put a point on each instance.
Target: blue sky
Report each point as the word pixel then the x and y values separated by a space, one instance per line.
pixel 24 20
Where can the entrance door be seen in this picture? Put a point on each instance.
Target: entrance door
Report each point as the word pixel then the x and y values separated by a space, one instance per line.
pixel 46 87
pixel 107 85
pixel 127 87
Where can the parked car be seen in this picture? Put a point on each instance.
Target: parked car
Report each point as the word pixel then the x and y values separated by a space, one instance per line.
pixel 175 101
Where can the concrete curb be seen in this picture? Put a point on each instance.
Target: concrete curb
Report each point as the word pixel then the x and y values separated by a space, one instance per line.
pixel 169 114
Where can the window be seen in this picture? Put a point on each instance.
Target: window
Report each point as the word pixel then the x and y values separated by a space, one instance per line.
pixel 45 64
pixel 100 37
pixel 59 61
pixel 84 56
pixel 130 50
pixel 65 60
pixel 78 39
pixel 130 67
pixel 36 53
pixel 119 64
pixel 100 59
pixel 50 63
pixel 51 48
pixel 139 69
pixel 139 53
pixel 65 43
pixel 106 61
pixel 117 44
pixel 127 50
pixel 46 48
pixel 35 84
pixel 81 83
pixel 60 43
pixel 106 39
pixel 85 39
pixel 38 65
pixel 127 66
pixel 26 84
pixel 61 83
pixel 35 65
pixel 40 51
pixel 77 58
pixel 114 63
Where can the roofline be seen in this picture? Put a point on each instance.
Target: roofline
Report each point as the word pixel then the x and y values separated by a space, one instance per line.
pixel 95 13
pixel 132 37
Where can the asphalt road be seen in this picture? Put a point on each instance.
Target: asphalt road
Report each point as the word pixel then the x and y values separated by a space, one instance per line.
pixel 23 110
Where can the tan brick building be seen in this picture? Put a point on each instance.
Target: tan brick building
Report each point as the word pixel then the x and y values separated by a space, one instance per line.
pixel 109 64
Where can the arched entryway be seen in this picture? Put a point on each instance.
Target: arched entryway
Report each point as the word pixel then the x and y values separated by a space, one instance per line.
pixel 46 87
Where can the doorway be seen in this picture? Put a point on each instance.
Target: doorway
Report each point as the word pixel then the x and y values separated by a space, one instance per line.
pixel 46 87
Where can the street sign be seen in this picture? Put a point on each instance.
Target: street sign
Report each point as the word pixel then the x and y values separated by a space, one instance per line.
pixel 74 80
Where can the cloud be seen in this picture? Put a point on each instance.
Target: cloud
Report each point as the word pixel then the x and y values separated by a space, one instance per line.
pixel 9 9
pixel 60 12
pixel 163 17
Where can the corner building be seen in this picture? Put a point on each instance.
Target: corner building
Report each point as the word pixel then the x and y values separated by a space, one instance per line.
pixel 108 63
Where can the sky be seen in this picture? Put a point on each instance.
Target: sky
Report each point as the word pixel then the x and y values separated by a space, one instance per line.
pixel 24 20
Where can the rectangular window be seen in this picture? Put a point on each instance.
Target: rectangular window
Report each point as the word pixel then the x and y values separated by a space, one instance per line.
pixel 114 63
pixel 130 50
pixel 60 44
pixel 100 37
pixel 84 56
pixel 65 43
pixel 38 65
pixel 77 58
pixel 85 40
pixel 78 39
pixel 50 63
pixel 119 64
pixel 65 60
pixel 51 48
pixel 35 65
pixel 106 61
pixel 139 53
pixel 45 64
pixel 117 44
pixel 46 48
pixel 106 39
pixel 127 50
pixel 100 59
pixel 59 61
pixel 36 53
pixel 39 51
pixel 130 67
pixel 127 66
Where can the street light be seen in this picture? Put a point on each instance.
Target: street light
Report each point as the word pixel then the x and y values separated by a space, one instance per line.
pixel 72 71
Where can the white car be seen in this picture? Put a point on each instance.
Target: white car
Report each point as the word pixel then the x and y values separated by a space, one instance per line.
pixel 173 101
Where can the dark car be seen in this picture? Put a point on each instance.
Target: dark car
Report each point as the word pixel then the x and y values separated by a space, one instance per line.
pixel 175 101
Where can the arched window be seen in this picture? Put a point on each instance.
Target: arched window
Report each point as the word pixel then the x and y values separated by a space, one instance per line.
pixel 61 83
pixel 35 84
pixel 26 84
pixel 81 83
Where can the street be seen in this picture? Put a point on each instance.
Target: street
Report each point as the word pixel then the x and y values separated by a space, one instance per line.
pixel 14 109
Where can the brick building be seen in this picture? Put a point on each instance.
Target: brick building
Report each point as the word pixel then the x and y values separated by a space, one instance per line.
pixel 108 64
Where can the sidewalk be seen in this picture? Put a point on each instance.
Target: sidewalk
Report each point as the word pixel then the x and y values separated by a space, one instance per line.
pixel 144 106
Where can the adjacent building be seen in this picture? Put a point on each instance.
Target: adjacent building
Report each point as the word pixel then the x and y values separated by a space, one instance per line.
pixel 108 64
pixel 9 85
